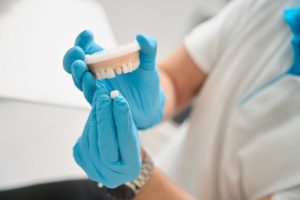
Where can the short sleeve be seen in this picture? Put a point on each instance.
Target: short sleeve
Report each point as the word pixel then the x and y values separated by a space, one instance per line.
pixel 208 41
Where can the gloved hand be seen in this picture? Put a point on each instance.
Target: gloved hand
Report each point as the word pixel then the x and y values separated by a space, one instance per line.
pixel 109 148
pixel 141 88
pixel 292 17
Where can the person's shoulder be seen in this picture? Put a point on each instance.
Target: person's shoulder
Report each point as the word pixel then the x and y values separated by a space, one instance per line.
pixel 256 9
pixel 257 4
pixel 262 3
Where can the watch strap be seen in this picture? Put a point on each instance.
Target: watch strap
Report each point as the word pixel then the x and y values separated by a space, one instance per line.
pixel 129 190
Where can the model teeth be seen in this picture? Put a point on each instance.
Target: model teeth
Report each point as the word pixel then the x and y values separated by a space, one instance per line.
pixel 133 66
pixel 98 75
pixel 103 74
pixel 130 67
pixel 118 70
pixel 125 69
pixel 137 64
pixel 110 73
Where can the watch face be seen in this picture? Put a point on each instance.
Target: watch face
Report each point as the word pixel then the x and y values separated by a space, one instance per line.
pixel 121 192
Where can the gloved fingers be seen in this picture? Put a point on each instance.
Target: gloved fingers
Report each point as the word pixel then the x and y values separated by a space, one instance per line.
pixel 85 40
pixel 88 86
pixel 94 48
pixel 75 53
pixel 103 84
pixel 93 136
pixel 107 137
pixel 77 156
pixel 77 70
pixel 82 153
pixel 128 138
pixel 148 51
pixel 81 156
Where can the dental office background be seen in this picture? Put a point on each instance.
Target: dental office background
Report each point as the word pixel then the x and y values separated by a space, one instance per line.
pixel 41 113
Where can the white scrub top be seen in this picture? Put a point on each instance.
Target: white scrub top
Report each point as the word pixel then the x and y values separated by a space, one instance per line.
pixel 243 137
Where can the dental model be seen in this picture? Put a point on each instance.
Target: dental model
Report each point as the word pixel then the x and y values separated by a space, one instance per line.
pixel 104 63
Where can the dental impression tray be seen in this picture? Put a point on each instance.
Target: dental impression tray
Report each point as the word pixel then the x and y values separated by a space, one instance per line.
pixel 104 63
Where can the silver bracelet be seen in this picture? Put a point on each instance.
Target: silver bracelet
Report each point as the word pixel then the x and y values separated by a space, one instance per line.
pixel 129 190
pixel 146 171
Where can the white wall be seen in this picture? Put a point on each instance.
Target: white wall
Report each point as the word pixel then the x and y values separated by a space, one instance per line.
pixel 168 20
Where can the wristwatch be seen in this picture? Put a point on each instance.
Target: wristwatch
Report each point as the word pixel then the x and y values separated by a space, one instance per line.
pixel 129 190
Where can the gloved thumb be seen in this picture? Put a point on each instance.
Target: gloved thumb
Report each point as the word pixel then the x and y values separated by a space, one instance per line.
pixel 148 51
pixel 148 43
pixel 127 135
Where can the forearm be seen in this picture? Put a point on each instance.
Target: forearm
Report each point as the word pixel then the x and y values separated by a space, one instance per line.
pixel 170 107
pixel 160 187
pixel 180 79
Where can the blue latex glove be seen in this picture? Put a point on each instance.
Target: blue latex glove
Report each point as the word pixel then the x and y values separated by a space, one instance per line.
pixel 292 16
pixel 109 148
pixel 141 88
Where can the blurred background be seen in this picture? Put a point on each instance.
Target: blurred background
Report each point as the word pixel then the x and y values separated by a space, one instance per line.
pixel 41 112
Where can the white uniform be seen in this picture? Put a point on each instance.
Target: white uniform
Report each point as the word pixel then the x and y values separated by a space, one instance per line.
pixel 243 141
